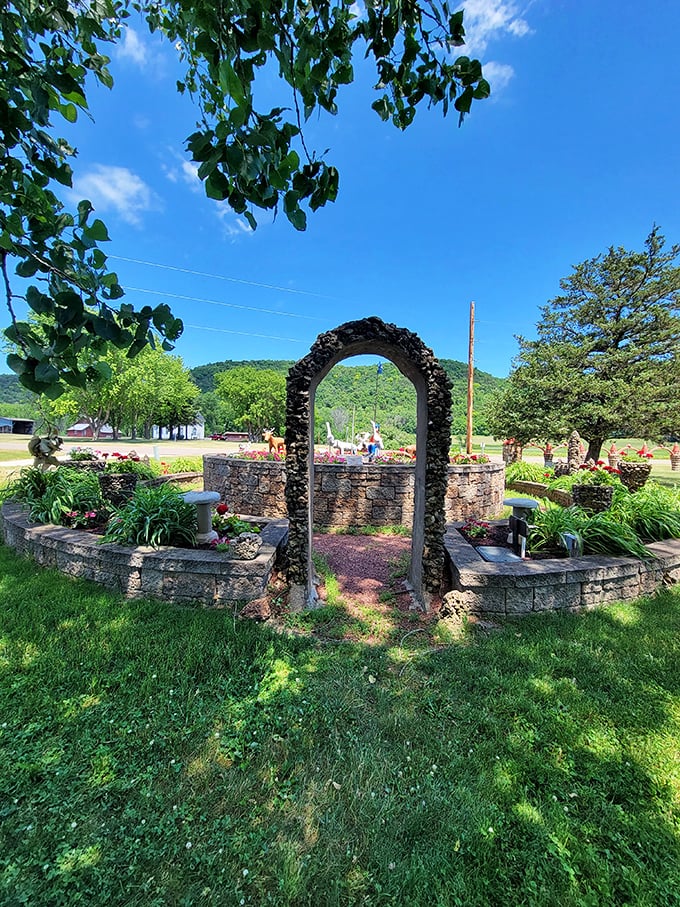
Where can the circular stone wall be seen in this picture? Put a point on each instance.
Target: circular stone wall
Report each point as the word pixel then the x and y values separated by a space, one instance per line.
pixel 347 496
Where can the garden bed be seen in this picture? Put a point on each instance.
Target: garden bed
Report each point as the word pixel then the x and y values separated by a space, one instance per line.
pixel 565 584
pixel 179 575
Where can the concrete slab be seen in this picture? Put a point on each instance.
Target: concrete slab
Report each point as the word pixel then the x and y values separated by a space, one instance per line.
pixel 497 555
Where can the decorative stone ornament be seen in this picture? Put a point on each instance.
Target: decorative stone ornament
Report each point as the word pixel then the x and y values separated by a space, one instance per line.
pixel 594 498
pixel 203 501
pixel 634 475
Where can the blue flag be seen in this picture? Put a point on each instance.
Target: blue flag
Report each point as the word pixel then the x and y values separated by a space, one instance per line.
pixel 380 368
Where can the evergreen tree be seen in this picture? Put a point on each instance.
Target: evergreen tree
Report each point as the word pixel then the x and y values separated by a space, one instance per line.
pixel 607 358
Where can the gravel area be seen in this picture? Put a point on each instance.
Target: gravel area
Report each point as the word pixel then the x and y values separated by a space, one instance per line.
pixel 362 564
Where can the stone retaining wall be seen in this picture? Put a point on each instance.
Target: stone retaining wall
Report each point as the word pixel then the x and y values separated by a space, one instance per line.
pixel 344 495
pixel 179 575
pixel 538 490
pixel 560 584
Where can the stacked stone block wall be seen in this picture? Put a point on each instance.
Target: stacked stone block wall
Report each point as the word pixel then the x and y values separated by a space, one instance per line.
pixel 562 584
pixel 179 575
pixel 354 495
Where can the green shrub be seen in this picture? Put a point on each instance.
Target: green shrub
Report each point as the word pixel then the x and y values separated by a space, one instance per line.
pixel 53 497
pixel 154 516
pixel 185 464
pixel 526 472
pixel 139 468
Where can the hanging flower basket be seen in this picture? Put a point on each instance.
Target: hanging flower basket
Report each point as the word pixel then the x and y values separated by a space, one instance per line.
pixel 634 475
pixel 593 498
pixel 118 487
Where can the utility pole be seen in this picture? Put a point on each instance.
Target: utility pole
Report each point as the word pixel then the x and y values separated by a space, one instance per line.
pixel 471 372
pixel 378 372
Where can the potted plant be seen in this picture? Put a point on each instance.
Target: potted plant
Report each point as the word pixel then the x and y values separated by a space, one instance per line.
pixel 635 469
pixel 594 488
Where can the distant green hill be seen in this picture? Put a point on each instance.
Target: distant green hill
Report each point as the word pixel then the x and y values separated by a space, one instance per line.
pixel 348 393
pixel 204 375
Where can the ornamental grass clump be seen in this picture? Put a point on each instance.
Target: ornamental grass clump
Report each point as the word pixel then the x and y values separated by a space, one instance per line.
pixel 154 516
pixel 653 512
pixel 526 472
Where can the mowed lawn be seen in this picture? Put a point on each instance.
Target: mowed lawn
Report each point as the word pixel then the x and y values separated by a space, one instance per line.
pixel 151 755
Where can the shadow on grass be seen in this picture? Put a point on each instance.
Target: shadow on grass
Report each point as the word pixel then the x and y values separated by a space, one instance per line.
pixel 151 755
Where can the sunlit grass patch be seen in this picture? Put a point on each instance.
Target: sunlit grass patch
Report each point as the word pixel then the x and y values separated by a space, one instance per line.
pixel 152 755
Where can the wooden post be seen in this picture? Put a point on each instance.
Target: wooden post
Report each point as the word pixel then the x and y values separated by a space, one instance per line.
pixel 471 372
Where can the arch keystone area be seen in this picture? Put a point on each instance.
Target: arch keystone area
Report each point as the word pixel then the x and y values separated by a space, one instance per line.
pixel 433 437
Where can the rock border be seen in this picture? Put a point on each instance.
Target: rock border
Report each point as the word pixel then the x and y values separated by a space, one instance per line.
pixel 561 584
pixel 177 575
pixel 349 496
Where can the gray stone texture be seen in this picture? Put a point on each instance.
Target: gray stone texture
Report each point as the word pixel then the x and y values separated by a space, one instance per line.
pixel 180 575
pixel 356 495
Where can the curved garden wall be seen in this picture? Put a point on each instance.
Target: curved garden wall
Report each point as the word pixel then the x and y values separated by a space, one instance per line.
pixel 564 584
pixel 179 575
pixel 344 495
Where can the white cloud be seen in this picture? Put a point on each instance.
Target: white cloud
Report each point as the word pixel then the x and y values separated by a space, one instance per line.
pixel 486 20
pixel 133 48
pixel 498 75
pixel 143 51
pixel 233 226
pixel 182 171
pixel 116 189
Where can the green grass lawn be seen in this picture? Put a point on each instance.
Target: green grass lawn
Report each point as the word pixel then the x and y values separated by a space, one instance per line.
pixel 151 755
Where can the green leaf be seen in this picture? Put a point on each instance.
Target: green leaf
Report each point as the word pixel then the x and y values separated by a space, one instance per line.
pixel 483 90
pixel 27 267
pixel 230 82
pixel 46 373
pixel 17 363
pixel 97 231
pixel 39 302
pixel 69 112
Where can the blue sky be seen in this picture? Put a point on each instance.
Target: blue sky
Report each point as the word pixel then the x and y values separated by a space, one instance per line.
pixel 577 149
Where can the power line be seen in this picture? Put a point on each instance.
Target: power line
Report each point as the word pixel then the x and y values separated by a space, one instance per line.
pixel 228 305
pixel 199 327
pixel 248 283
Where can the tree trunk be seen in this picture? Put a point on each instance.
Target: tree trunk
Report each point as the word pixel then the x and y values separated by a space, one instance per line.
pixel 594 448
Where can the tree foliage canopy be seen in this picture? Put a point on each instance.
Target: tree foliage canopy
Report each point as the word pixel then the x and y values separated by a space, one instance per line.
pixel 606 361
pixel 252 158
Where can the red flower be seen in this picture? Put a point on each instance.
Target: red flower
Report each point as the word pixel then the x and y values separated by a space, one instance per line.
pixel 600 462
pixel 222 509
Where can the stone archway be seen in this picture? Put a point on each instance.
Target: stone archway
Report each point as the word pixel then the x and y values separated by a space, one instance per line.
pixel 433 437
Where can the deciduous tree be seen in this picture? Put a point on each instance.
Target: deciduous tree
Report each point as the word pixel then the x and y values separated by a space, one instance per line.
pixel 252 158
pixel 256 398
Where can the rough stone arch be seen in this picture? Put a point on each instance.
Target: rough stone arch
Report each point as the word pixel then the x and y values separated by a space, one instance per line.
pixel 433 437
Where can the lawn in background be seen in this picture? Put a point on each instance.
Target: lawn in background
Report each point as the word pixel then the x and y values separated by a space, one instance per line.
pixel 152 755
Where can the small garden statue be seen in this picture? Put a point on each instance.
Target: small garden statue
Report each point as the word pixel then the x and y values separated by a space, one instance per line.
pixel 44 449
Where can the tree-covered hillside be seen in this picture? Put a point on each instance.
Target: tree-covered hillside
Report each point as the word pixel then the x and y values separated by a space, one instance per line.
pixel 349 392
